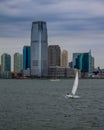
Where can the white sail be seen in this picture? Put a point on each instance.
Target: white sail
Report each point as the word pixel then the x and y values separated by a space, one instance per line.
pixel 75 85
pixel 74 89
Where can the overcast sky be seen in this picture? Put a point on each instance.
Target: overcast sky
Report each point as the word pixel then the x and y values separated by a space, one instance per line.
pixel 75 25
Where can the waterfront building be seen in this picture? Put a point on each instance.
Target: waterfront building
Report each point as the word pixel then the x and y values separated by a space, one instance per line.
pixel 18 63
pixel 39 49
pixel 54 55
pixel 74 61
pixel 71 64
pixel 6 75
pixel 5 62
pixel 92 63
pixel 64 58
pixel 83 61
pixel 55 72
pixel 26 60
pixel 0 68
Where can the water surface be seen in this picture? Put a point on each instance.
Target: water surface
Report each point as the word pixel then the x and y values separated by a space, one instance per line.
pixel 41 105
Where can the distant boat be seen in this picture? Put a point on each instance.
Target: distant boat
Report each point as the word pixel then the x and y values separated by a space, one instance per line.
pixel 74 89
pixel 54 79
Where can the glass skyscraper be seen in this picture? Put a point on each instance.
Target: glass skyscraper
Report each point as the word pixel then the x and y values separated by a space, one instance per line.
pixel 83 61
pixel 5 62
pixel 26 60
pixel 18 63
pixel 26 57
pixel 39 49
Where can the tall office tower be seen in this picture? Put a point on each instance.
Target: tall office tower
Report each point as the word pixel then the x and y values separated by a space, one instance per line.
pixel 54 55
pixel 5 62
pixel 39 49
pixel 18 63
pixel 26 60
pixel 26 57
pixel 83 61
pixel 64 58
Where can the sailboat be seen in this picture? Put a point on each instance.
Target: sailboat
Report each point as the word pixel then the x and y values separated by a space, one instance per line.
pixel 74 89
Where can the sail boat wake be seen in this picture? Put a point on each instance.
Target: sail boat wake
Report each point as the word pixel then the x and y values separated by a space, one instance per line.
pixel 74 89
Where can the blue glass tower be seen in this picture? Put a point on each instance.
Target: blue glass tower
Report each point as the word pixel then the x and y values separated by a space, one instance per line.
pixel 26 57
pixel 83 61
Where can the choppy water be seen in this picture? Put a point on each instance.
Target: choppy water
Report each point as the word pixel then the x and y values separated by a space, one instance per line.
pixel 41 105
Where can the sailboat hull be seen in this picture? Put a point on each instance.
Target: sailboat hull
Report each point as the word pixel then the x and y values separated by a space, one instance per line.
pixel 71 96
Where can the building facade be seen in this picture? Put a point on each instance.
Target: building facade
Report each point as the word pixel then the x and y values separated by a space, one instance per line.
pixel 39 49
pixel 5 62
pixel 18 63
pixel 26 57
pixel 83 62
pixel 26 60
pixel 54 55
pixel 55 72
pixel 64 58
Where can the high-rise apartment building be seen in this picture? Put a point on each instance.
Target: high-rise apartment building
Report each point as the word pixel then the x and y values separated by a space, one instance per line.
pixel 18 63
pixel 5 62
pixel 64 58
pixel 39 49
pixel 54 55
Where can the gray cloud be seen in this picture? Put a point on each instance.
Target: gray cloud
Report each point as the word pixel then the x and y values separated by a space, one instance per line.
pixel 67 20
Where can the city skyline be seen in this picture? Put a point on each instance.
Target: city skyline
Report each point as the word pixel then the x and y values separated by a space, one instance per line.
pixel 75 25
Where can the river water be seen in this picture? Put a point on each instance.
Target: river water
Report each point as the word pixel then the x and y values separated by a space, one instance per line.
pixel 41 105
